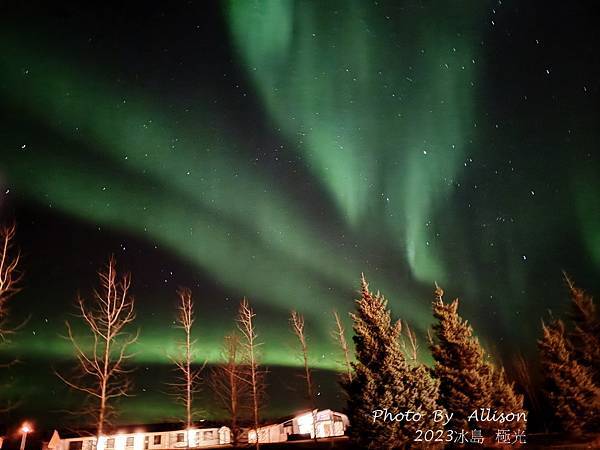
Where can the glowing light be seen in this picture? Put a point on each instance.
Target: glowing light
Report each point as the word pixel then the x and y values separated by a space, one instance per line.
pixel 138 441
pixel 191 437
pixel 120 442
pixel 305 424
pixel 25 429
pixel 101 443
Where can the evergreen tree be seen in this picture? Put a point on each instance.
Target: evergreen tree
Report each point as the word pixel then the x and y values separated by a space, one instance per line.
pixel 467 381
pixel 569 386
pixel 506 399
pixel 383 379
pixel 465 378
pixel 585 336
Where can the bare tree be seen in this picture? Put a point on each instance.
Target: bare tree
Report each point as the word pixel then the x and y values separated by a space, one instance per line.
pixel 297 324
pixel 227 384
pixel 187 383
pixel 339 334
pixel 252 375
pixel 101 372
pixel 413 349
pixel 10 276
pixel 10 280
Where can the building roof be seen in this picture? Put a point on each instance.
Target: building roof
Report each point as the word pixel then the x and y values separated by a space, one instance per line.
pixel 283 419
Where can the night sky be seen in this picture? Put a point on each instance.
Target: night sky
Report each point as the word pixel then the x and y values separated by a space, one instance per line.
pixel 275 150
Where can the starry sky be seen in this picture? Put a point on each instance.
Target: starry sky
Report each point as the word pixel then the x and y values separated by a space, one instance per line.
pixel 276 150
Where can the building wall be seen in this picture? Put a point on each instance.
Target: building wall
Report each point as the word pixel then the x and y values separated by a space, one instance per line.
pixel 151 440
pixel 328 423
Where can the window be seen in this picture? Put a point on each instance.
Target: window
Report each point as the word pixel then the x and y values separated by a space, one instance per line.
pixel 75 445
pixel 288 427
pixel 180 437
pixel 129 442
pixel 110 443
pixel 208 435
pixel 157 439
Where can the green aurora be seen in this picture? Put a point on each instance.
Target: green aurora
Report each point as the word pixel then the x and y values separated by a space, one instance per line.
pixel 368 146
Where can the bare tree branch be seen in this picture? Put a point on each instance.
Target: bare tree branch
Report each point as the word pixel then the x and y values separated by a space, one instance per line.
pixel 297 325
pixel 10 276
pixel 413 351
pixel 339 334
pixel 10 284
pixel 227 383
pixel 101 372
pixel 187 383
pixel 252 374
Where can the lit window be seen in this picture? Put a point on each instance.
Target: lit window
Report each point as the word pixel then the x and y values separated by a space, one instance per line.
pixel 157 439
pixel 110 443
pixel 129 442
pixel 208 435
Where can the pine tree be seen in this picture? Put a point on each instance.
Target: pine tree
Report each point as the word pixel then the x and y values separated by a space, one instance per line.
pixel 569 386
pixel 383 379
pixel 506 399
pixel 586 333
pixel 467 381
pixel 465 378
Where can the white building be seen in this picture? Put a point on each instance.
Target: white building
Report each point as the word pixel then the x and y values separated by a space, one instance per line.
pixel 142 439
pixel 328 423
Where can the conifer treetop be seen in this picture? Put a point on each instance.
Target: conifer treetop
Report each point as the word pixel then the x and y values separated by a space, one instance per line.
pixel 467 380
pixel 383 379
pixel 584 310
pixel 585 335
pixel 553 342
pixel 373 319
pixel 570 387
pixel 453 332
